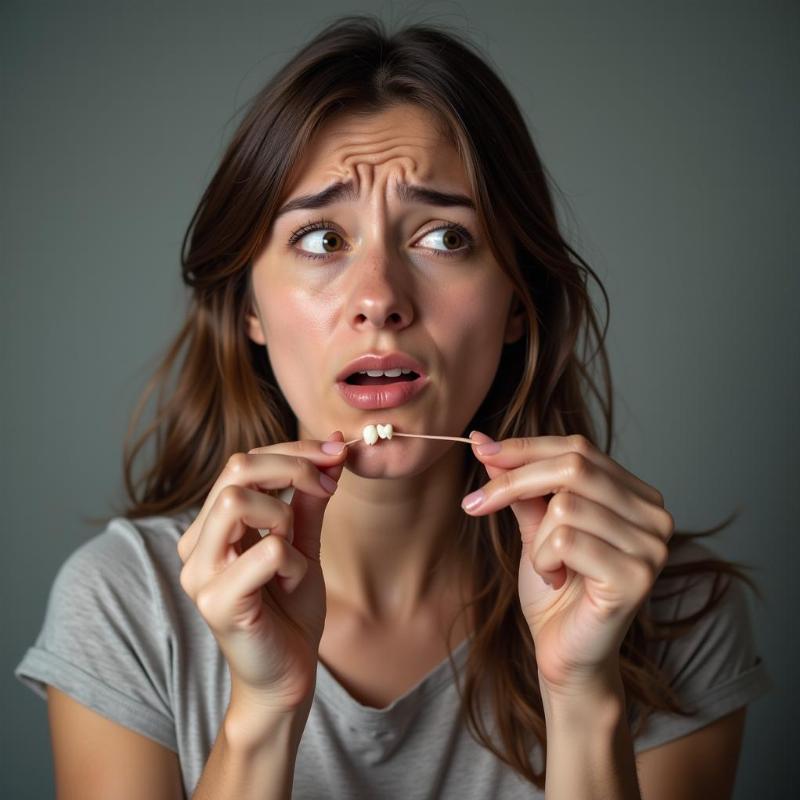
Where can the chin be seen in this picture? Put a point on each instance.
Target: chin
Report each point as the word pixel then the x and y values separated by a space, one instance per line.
pixel 394 458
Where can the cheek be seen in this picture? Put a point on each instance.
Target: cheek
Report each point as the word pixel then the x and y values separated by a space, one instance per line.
pixel 474 346
pixel 296 334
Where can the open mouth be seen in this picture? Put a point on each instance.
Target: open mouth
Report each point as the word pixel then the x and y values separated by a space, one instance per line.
pixel 357 379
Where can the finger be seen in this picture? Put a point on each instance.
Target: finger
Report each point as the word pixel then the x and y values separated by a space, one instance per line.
pixel 520 450
pixel 230 531
pixel 619 579
pixel 529 514
pixel 254 470
pixel 574 511
pixel 335 471
pixel 309 511
pixel 226 598
pixel 568 472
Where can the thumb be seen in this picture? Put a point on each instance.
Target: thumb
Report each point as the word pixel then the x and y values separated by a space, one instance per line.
pixel 308 511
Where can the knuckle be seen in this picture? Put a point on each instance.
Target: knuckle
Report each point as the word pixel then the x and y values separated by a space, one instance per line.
pixel 563 538
pixel 205 603
pixel 666 523
pixel 236 463
pixel 302 466
pixel 661 554
pixel 575 465
pixel 232 497
pixel 186 581
pixel 505 482
pixel 578 443
pixel 644 575
pixel 562 503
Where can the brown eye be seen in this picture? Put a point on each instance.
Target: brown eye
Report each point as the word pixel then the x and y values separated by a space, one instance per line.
pixel 451 239
pixel 330 239
pixel 456 239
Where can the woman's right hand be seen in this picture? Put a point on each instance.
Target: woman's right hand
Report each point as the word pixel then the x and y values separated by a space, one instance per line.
pixel 264 598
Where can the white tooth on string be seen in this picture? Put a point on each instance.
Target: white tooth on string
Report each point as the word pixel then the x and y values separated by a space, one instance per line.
pixel 371 433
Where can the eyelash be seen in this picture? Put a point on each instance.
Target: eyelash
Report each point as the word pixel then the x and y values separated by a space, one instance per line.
pixel 324 224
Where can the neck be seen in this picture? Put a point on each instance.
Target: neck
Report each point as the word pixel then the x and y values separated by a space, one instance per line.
pixel 388 544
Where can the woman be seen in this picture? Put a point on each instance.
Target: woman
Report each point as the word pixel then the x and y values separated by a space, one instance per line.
pixel 382 197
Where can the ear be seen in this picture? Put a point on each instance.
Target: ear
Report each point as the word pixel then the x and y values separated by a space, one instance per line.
pixel 254 329
pixel 515 326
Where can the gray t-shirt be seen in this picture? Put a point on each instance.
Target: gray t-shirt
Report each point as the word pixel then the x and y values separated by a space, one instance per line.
pixel 122 637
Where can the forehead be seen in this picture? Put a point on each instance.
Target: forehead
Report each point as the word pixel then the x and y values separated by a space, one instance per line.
pixel 405 138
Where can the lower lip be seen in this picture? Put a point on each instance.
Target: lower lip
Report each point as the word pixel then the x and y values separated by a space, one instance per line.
pixel 389 395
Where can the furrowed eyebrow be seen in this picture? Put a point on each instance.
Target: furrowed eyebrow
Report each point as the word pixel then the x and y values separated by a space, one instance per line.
pixel 345 192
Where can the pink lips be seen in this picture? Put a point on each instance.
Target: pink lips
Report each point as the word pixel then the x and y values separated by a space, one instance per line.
pixel 388 395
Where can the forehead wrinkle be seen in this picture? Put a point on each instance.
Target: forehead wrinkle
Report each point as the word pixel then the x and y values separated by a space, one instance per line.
pixel 353 156
pixel 392 142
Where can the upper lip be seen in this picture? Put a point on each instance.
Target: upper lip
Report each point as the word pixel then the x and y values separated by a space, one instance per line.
pixel 383 362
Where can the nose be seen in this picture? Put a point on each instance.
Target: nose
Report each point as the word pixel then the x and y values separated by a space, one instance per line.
pixel 380 298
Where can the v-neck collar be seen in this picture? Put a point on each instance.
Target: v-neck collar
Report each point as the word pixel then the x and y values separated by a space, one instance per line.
pixel 399 712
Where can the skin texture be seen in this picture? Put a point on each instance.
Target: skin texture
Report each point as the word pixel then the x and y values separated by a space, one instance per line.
pixel 396 502
pixel 382 289
pixel 591 552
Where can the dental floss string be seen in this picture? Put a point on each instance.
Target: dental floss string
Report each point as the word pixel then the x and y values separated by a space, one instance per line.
pixel 420 436
pixel 369 436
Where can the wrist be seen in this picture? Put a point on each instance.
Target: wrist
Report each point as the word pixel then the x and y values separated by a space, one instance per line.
pixel 591 703
pixel 588 739
pixel 251 726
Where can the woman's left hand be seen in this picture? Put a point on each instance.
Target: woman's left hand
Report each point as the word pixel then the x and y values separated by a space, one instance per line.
pixel 595 531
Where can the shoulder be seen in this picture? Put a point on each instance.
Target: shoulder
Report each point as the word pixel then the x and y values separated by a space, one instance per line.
pixel 701 637
pixel 696 580
pixel 110 627
pixel 126 548
pixel 129 571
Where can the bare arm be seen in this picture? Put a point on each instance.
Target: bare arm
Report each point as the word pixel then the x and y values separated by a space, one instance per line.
pixel 254 755
pixel 97 759
pixel 699 766
pixel 589 746
pixel 590 754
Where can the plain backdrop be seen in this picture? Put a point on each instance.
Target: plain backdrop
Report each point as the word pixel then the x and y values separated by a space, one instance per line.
pixel 671 131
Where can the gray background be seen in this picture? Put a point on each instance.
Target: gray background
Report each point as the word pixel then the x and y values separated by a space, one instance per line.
pixel 671 130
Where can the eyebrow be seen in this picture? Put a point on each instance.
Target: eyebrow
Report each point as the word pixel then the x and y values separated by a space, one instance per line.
pixel 345 191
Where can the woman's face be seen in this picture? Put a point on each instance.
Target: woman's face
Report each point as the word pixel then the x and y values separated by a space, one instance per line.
pixel 394 275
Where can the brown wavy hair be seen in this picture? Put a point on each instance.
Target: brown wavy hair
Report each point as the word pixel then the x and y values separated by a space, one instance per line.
pixel 225 398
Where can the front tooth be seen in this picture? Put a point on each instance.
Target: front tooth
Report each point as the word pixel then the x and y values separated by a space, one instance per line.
pixel 380 373
pixel 370 434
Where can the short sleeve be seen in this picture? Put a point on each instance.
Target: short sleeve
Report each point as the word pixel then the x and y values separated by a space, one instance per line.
pixel 103 640
pixel 714 668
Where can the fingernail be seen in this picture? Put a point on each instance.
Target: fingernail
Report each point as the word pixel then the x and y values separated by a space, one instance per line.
pixel 484 445
pixel 328 483
pixel 472 501
pixel 333 448
pixel 488 449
